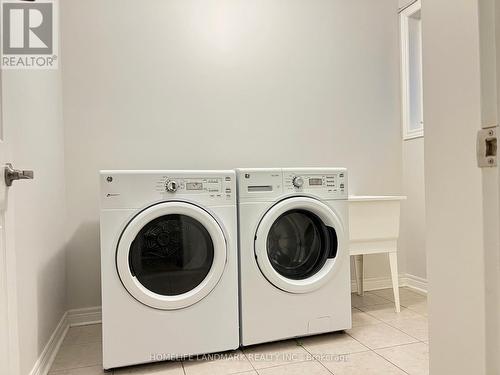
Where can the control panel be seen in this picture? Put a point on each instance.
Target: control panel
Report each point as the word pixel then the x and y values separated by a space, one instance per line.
pixel 258 184
pixel 295 181
pixel 216 187
pixel 130 189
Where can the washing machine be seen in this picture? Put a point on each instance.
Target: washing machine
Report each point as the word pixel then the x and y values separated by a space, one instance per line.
pixel 169 265
pixel 293 248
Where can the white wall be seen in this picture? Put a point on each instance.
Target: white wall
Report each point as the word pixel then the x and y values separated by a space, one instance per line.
pixel 412 234
pixel 34 128
pixel 223 84
pixel 455 246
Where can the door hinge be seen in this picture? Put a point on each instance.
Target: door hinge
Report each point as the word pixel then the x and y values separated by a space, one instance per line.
pixel 486 147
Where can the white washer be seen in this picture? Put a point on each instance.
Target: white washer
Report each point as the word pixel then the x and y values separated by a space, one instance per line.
pixel 169 265
pixel 294 259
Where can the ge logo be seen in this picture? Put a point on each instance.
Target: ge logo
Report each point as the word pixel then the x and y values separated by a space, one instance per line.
pixel 27 29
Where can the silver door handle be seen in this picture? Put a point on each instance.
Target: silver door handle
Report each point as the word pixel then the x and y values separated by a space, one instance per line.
pixel 12 174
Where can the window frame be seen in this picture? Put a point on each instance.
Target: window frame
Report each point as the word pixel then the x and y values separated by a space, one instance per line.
pixel 404 16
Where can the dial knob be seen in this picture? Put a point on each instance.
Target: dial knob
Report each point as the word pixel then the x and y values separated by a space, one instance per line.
pixel 298 182
pixel 171 186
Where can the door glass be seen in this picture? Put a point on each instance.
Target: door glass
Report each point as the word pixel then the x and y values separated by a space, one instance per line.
pixel 171 255
pixel 299 243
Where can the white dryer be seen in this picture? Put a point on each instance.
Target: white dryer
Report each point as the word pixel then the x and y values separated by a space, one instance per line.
pixel 294 258
pixel 169 265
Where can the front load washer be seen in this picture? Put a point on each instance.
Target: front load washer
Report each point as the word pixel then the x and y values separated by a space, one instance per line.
pixel 294 259
pixel 169 265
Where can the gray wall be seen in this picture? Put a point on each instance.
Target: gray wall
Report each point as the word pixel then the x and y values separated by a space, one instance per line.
pixel 221 84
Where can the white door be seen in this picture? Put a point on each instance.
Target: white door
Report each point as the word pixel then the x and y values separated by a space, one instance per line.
pixel 460 74
pixel 8 317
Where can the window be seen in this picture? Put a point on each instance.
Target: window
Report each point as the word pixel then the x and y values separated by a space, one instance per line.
pixel 411 71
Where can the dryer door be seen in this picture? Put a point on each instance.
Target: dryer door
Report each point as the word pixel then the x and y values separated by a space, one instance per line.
pixel 171 255
pixel 297 242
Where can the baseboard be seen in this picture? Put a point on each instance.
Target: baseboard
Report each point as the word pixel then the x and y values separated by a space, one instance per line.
pixel 71 318
pixel 417 283
pixel 85 316
pixel 44 362
pixel 405 280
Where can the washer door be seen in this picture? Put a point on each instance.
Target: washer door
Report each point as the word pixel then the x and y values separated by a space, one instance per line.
pixel 171 255
pixel 296 244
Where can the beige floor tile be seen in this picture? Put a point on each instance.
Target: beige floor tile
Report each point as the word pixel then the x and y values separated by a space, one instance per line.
pixel 416 327
pixel 366 363
pixel 309 368
pixel 218 364
pixel 413 358
pixel 387 312
pixel 162 368
pixel 360 318
pixel 405 295
pixel 93 370
pixel 418 307
pixel 367 300
pixel 332 344
pixel 83 335
pixel 378 336
pixel 81 355
pixel 276 353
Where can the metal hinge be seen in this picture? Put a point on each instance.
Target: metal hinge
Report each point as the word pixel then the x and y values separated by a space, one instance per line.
pixel 486 147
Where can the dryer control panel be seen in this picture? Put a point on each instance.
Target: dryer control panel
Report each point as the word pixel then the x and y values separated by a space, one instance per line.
pixel 212 186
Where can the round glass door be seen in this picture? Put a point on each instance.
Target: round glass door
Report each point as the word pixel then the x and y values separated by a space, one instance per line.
pixel 299 244
pixel 296 244
pixel 171 255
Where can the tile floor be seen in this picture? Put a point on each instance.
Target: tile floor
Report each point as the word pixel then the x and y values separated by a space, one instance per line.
pixel 381 342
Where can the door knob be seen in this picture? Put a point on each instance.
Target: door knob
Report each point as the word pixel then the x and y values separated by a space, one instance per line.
pixel 12 174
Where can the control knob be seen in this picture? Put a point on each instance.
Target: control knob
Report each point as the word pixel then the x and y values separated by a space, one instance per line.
pixel 171 186
pixel 298 182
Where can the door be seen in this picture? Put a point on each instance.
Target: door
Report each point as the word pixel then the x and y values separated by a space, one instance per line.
pixel 9 345
pixel 171 255
pixel 460 75
pixel 297 244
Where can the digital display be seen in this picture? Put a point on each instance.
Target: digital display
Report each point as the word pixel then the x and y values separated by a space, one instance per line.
pixel 315 181
pixel 194 186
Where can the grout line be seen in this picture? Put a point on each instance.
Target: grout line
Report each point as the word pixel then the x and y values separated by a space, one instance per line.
pixel 373 351
pixel 406 333
pixel 396 328
pixel 251 364
pixel 321 363
pixel 385 359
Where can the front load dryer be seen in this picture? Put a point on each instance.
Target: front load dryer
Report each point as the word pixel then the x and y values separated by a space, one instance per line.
pixel 169 265
pixel 294 258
